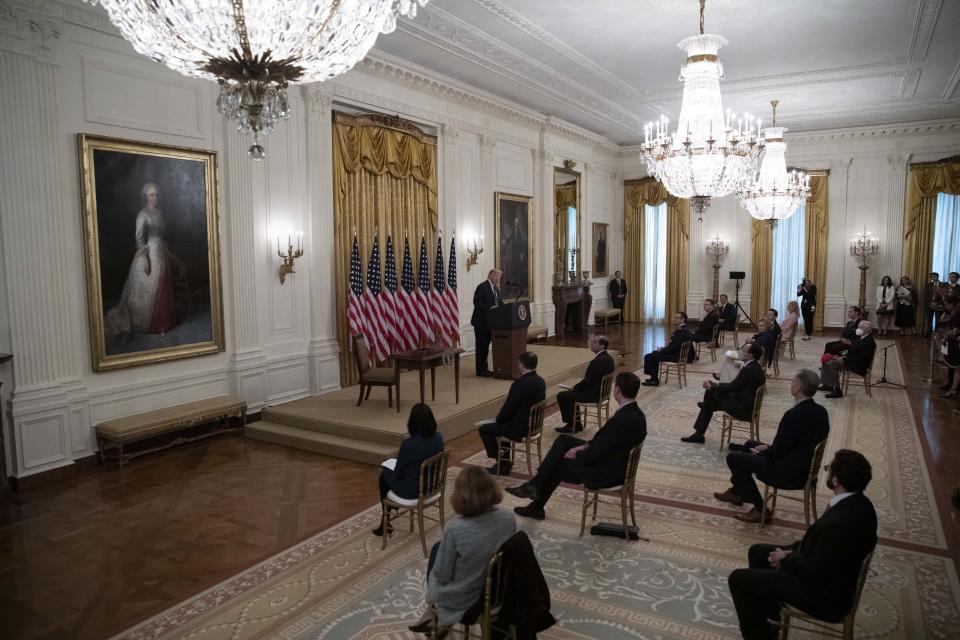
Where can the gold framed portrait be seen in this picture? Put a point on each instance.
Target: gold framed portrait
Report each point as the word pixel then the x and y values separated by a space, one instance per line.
pixel 601 258
pixel 513 229
pixel 152 251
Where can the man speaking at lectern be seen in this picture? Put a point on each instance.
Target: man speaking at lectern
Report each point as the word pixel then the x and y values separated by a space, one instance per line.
pixel 485 297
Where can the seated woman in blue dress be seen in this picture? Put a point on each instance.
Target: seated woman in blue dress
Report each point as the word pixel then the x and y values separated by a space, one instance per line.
pixel 424 443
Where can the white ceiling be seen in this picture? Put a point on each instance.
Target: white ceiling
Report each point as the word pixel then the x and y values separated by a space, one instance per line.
pixel 611 65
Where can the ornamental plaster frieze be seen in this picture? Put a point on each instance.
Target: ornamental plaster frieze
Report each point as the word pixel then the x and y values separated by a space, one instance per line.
pixel 26 32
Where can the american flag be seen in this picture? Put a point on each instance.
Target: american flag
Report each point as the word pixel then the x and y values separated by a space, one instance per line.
pixel 423 294
pixel 373 321
pixel 438 307
pixel 388 299
pixel 453 307
pixel 408 323
pixel 354 304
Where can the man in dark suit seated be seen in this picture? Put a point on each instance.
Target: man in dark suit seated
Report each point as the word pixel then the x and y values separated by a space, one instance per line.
pixel 736 397
pixel 774 325
pixel 667 353
pixel 711 317
pixel 766 338
pixel 858 359
pixel 849 335
pixel 513 420
pixel 600 463
pixel 588 389
pixel 818 574
pixel 485 297
pixel 785 464
pixel 728 314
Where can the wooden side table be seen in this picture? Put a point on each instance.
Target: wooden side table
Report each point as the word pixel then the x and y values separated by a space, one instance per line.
pixel 422 359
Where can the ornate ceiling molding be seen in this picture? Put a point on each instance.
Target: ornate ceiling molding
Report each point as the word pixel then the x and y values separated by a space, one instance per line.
pixel 928 12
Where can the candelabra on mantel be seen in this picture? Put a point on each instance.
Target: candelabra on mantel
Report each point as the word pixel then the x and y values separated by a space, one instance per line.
pixel 863 247
pixel 716 248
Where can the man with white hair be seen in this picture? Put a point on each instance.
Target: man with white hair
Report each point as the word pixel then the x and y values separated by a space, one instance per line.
pixel 859 358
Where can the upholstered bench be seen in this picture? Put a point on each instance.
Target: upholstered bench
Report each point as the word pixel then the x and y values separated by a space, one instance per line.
pixel 116 433
pixel 606 315
pixel 536 332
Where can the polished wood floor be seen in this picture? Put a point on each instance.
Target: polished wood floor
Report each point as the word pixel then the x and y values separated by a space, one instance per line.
pixel 95 554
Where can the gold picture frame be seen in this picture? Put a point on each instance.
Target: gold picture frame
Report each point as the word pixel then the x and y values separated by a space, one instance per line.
pixel 152 251
pixel 513 219
pixel 601 250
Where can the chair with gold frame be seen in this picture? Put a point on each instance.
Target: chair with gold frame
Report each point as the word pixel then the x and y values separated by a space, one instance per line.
pixel 625 492
pixel 494 588
pixel 866 380
pixel 727 425
pixel 534 436
pixel 809 497
pixel 712 345
pixel 601 406
pixel 433 486
pixel 680 365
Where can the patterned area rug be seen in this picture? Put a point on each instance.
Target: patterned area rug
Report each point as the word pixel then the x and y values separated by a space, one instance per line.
pixel 340 585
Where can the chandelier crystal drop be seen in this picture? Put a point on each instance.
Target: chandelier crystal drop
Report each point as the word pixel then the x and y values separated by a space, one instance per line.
pixel 710 152
pixel 774 193
pixel 256 48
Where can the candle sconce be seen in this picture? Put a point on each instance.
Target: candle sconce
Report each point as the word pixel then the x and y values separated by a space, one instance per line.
pixel 286 267
pixel 474 253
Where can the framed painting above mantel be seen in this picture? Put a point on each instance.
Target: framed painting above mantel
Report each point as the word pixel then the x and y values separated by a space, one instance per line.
pixel 513 225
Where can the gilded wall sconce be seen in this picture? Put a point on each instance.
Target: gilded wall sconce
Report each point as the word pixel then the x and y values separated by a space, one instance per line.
pixel 474 252
pixel 286 267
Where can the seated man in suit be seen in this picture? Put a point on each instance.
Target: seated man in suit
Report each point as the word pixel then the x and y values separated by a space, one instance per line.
pixel 818 574
pixel 774 325
pixel 859 358
pixel 849 335
pixel 733 359
pixel 602 462
pixel 514 417
pixel 588 389
pixel 711 317
pixel 728 314
pixel 736 397
pixel 785 464
pixel 667 353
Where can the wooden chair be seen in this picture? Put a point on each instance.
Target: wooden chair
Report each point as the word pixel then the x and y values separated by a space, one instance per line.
pixel 495 586
pixel 371 376
pixel 433 487
pixel 866 380
pixel 809 498
pixel 776 358
pixel 534 433
pixel 727 426
pixel 624 492
pixel 787 345
pixel 789 615
pixel 601 406
pixel 680 365
pixel 712 345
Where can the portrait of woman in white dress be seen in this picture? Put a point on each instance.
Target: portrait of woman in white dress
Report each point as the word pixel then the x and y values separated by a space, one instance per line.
pixel 147 303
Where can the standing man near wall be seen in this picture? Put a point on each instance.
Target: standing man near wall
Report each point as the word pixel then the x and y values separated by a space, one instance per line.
pixel 618 292
pixel 485 297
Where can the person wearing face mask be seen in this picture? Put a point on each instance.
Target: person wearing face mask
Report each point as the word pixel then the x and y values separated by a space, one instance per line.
pixel 735 398
pixel 819 573
pixel 785 463
pixel 858 359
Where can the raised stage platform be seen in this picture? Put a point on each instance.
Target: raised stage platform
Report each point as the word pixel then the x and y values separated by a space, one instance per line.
pixel 333 424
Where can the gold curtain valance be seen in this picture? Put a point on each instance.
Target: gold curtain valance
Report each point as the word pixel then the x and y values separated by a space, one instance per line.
pixel 565 195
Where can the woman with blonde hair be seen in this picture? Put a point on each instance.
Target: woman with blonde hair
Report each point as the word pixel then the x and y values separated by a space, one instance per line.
pixel 788 327
pixel 458 563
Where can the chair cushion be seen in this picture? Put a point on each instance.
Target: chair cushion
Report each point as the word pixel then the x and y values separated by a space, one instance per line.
pixel 606 313
pixel 619 487
pixel 161 420
pixel 379 374
pixel 408 502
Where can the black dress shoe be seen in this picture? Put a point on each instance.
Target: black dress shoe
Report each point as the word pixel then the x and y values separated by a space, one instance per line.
pixel 568 429
pixel 835 394
pixel 485 374
pixel 379 531
pixel 422 627
pixel 651 383
pixel 733 446
pixel 502 469
pixel 525 491
pixel 700 404
pixel 695 437
pixel 530 511
pixel 824 387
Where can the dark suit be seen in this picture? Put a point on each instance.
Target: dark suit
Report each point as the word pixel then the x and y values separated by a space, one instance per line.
pixel 858 359
pixel 934 305
pixel 808 306
pixel 735 397
pixel 768 340
pixel 776 330
pixel 705 331
pixel 405 476
pixel 836 347
pixel 670 353
pixel 615 289
pixel 818 576
pixel 514 417
pixel 602 464
pixel 485 297
pixel 785 464
pixel 728 316
pixel 588 389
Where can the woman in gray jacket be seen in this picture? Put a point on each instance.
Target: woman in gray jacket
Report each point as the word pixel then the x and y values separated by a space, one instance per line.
pixel 458 563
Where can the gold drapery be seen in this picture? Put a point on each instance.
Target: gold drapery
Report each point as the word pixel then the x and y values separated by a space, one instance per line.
pixel 816 258
pixel 761 265
pixel 637 195
pixel 384 181
pixel 564 197
pixel 924 182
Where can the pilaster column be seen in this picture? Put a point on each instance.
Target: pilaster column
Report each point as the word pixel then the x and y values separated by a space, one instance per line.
pixel 451 214
pixel 543 184
pixel 892 247
pixel 835 295
pixel 696 269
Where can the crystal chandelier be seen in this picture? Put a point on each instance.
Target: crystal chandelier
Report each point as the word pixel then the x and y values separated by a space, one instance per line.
pixel 708 155
pixel 774 193
pixel 256 48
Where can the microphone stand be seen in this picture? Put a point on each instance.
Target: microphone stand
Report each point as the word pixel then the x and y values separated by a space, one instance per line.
pixel 882 380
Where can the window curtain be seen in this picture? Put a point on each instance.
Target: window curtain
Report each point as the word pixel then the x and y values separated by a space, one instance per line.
pixel 946 235
pixel 815 214
pixel 924 184
pixel 384 180
pixel 564 196
pixel 637 195
pixel 789 255
pixel 761 265
pixel 655 263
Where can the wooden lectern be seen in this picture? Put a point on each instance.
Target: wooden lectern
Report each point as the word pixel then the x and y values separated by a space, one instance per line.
pixel 508 325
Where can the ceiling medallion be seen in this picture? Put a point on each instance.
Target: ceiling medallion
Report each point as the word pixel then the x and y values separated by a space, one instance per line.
pixel 709 153
pixel 256 48
pixel 774 193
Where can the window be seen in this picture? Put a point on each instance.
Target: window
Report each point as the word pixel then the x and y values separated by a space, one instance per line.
pixel 655 263
pixel 946 236
pixel 789 257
